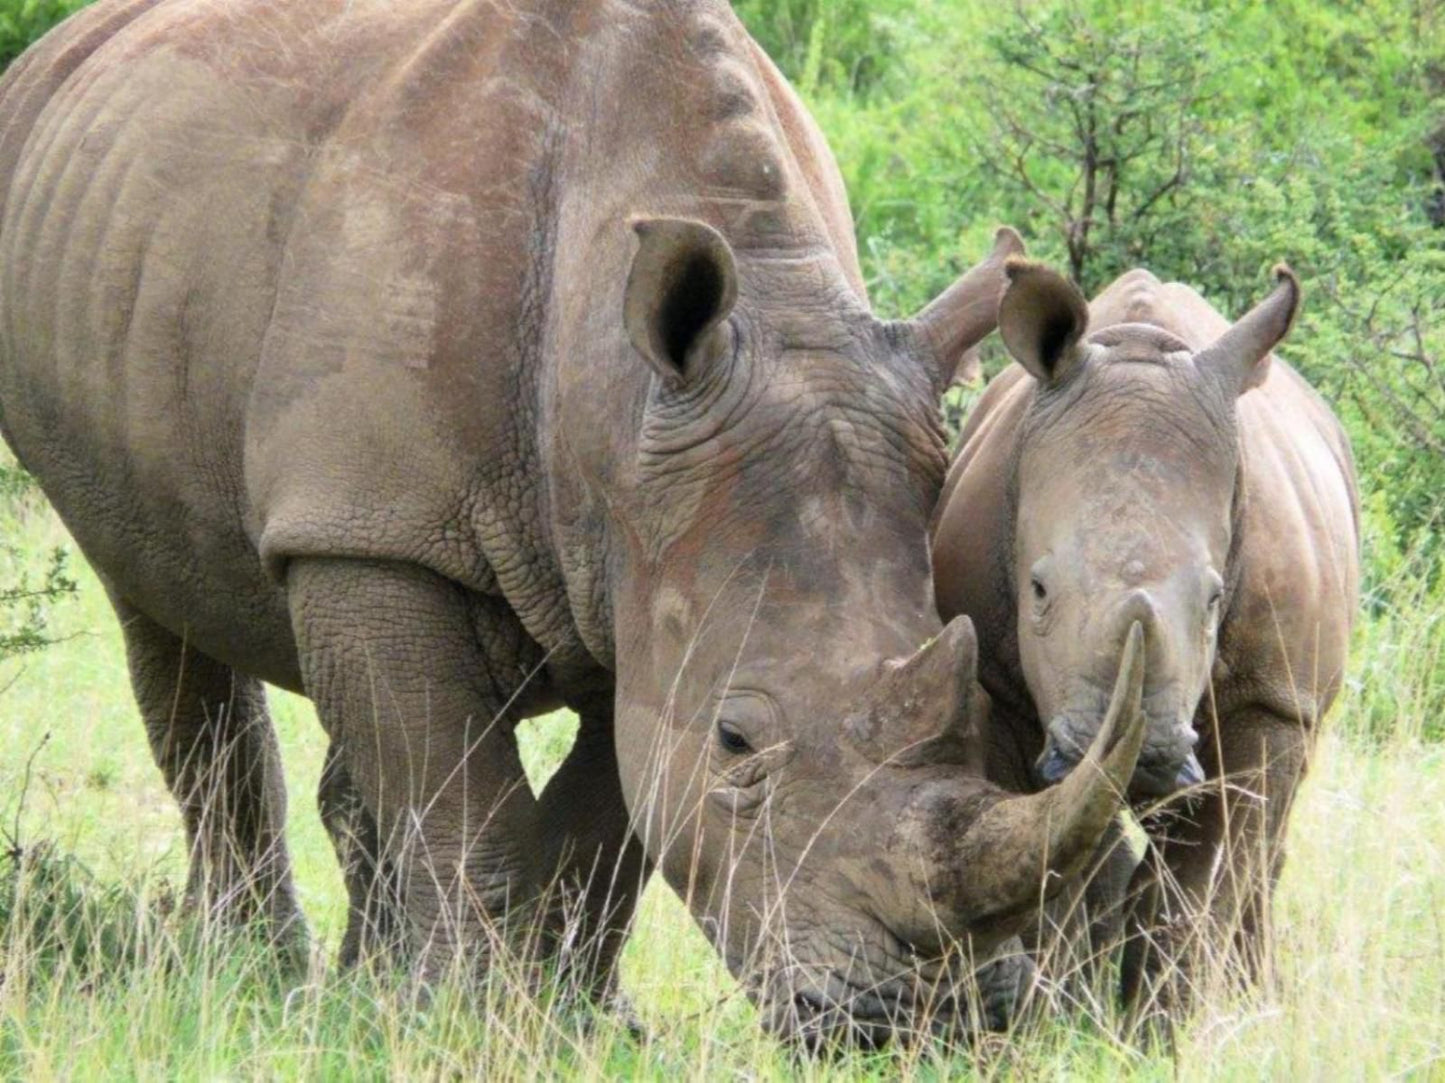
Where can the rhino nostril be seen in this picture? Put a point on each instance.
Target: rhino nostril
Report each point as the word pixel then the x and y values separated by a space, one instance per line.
pixel 809 1003
pixel 1191 772
pixel 1053 765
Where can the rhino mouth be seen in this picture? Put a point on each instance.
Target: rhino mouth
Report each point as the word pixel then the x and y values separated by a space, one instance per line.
pixel 1166 764
pixel 833 1011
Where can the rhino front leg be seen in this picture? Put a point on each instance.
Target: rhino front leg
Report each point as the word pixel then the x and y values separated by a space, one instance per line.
pixel 1205 892
pixel 410 675
pixel 211 736
pixel 600 865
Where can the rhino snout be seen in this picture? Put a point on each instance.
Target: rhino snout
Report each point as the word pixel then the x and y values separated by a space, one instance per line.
pixel 1167 775
pixel 1167 762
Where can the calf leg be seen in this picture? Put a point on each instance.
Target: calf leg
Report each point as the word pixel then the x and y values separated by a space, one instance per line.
pixel 1208 886
pixel 411 676
pixel 601 866
pixel 211 736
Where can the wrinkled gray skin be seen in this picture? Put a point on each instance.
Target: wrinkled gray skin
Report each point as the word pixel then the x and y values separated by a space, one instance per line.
pixel 1145 462
pixel 452 362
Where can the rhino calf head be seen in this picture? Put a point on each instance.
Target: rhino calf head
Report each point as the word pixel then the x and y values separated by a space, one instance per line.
pixel 1125 511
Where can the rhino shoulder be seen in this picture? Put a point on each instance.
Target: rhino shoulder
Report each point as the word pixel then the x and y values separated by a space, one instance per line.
pixel 986 444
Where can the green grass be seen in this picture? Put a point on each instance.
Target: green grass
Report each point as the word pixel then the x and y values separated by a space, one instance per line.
pixel 103 978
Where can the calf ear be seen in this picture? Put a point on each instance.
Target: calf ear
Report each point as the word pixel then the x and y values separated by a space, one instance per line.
pixel 682 285
pixel 967 312
pixel 1240 356
pixel 1041 319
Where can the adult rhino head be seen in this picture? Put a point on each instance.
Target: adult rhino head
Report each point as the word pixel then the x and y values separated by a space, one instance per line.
pixel 799 737
pixel 1125 505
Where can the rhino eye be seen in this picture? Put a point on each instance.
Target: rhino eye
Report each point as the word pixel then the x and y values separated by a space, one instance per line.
pixel 1216 593
pixel 732 740
pixel 1041 594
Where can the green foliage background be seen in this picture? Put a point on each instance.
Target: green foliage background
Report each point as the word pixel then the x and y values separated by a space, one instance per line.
pixel 1226 135
pixel 1313 133
pixel 25 21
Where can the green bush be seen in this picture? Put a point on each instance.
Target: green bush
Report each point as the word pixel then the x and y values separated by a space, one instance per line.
pixel 24 22
pixel 844 45
pixel 26 602
pixel 1205 140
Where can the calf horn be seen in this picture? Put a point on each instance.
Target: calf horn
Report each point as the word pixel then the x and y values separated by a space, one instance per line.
pixel 1021 849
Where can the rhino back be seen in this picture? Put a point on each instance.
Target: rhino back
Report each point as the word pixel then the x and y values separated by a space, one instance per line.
pixel 140 240
pixel 217 318
pixel 343 278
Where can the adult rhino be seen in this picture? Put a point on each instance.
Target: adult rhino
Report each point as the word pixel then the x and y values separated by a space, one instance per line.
pixel 1146 463
pixel 450 362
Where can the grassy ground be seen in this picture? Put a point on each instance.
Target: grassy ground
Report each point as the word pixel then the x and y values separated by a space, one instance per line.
pixel 99 982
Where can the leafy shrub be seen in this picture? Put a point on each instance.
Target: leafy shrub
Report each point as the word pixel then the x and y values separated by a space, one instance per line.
pixel 845 45
pixel 24 22
pixel 1206 141
pixel 25 604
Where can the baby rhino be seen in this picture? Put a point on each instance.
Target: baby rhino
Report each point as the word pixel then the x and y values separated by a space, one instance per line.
pixel 1147 463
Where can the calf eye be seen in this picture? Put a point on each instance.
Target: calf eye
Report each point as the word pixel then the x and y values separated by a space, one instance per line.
pixel 1216 593
pixel 1214 600
pixel 732 740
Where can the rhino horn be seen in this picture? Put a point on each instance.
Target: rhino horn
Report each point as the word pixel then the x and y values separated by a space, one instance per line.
pixel 965 313
pixel 1022 848
pixel 928 707
pixel 1240 356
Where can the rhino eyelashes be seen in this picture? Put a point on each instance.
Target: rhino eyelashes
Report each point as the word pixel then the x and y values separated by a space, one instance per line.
pixel 732 739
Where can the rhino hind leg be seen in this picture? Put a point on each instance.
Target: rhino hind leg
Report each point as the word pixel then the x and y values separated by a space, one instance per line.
pixel 376 918
pixel 600 866
pixel 211 735
pixel 1201 900
pixel 412 677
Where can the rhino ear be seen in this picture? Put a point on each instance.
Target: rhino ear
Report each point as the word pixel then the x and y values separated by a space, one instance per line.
pixel 967 312
pixel 682 286
pixel 1041 319
pixel 1240 356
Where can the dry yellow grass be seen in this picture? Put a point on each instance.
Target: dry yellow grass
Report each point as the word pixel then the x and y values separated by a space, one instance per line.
pixel 1358 993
